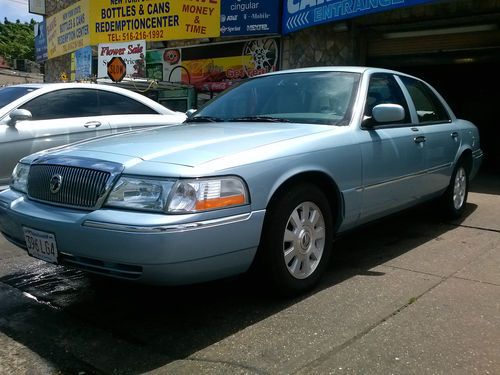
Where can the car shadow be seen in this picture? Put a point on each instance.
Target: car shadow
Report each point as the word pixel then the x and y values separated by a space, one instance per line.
pixel 165 324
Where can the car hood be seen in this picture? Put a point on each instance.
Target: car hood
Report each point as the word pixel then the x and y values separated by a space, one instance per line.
pixel 194 144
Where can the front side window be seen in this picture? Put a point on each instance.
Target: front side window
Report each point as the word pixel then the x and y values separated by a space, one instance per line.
pixel 65 103
pixel 429 107
pixel 384 89
pixel 308 97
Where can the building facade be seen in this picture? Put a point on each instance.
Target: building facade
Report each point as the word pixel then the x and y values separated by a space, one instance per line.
pixel 453 44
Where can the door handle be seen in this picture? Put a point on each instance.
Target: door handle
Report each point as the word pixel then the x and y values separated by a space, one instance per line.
pixel 454 135
pixel 92 124
pixel 419 139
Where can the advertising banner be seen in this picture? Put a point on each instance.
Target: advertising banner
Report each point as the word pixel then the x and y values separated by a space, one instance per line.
pixel 300 14
pixel 83 63
pixel 116 21
pixel 36 7
pixel 215 67
pixel 249 17
pixel 68 30
pixel 133 53
pixel 41 42
pixel 90 22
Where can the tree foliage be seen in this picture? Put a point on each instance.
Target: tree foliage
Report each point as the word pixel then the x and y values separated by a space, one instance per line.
pixel 17 40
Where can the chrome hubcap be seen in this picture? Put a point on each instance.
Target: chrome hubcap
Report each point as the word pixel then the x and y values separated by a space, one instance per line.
pixel 459 189
pixel 304 240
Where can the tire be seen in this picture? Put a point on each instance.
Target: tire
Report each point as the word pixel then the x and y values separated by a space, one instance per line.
pixel 454 200
pixel 297 240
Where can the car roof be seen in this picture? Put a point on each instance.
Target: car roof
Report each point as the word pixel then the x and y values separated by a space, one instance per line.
pixel 346 69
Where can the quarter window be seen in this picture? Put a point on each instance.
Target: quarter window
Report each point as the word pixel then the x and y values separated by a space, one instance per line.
pixel 429 107
pixel 384 89
pixel 116 104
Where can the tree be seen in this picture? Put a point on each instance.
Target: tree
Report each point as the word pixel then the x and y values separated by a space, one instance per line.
pixel 17 40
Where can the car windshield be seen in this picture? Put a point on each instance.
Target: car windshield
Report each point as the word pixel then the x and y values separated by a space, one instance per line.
pixel 319 97
pixel 10 93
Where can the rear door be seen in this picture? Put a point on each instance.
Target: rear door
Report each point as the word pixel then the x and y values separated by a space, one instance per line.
pixel 393 153
pixel 442 139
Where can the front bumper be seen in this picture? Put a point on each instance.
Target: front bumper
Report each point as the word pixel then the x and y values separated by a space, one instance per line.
pixel 150 248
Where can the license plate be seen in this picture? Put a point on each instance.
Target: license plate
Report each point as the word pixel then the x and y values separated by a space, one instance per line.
pixel 41 245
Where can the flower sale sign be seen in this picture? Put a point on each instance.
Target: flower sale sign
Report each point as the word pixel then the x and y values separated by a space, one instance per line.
pixel 132 53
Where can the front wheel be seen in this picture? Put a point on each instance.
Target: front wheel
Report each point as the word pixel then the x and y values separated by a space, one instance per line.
pixel 297 239
pixel 455 198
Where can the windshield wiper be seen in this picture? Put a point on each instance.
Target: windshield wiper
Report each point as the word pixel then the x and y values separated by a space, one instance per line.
pixel 204 119
pixel 260 119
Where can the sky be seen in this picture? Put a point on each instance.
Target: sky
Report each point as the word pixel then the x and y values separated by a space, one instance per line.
pixel 16 10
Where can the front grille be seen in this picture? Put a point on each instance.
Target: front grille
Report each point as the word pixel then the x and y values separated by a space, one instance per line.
pixel 79 187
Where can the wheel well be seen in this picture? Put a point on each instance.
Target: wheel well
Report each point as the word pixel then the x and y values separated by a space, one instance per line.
pixel 325 183
pixel 466 158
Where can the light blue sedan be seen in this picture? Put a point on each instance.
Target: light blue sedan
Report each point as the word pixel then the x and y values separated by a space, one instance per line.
pixel 267 174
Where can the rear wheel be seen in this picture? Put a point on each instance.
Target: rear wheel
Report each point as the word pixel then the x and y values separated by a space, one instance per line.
pixel 297 239
pixel 455 198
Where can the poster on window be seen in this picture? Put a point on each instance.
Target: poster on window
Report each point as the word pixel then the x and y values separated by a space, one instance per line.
pixel 215 67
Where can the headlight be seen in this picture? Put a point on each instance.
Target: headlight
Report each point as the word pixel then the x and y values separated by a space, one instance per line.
pixel 20 177
pixel 140 194
pixel 207 194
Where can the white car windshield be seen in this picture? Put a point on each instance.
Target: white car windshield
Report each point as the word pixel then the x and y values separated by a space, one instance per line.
pixel 10 93
pixel 306 97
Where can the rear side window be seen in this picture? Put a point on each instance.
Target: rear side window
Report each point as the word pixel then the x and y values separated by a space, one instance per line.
pixel 65 103
pixel 429 107
pixel 115 104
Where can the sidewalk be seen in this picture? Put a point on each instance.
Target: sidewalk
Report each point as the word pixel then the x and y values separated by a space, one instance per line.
pixel 408 295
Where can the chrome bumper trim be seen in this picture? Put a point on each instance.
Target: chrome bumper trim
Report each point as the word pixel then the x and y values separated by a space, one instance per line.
pixel 167 228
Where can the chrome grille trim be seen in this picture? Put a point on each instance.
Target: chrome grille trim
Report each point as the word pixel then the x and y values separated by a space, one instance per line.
pixel 81 187
pixel 85 182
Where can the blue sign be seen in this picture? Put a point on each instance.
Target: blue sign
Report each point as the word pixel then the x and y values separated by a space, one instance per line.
pixel 249 17
pixel 41 42
pixel 83 63
pixel 299 14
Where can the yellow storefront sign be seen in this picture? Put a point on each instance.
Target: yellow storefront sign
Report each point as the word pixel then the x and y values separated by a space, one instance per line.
pixel 120 21
pixel 89 22
pixel 68 30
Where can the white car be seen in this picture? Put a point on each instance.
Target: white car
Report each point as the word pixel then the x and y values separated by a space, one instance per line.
pixel 35 117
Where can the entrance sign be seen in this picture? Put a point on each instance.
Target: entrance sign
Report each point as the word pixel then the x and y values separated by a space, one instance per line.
pixel 249 17
pixel 300 14
pixel 132 53
pixel 117 69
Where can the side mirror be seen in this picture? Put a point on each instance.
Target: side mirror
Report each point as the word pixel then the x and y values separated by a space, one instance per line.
pixel 190 112
pixel 19 115
pixel 388 113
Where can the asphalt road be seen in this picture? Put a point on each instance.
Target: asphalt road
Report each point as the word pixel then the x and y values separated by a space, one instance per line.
pixel 407 295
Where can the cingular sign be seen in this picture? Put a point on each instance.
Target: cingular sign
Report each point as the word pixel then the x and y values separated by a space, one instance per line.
pixel 248 17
